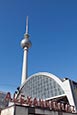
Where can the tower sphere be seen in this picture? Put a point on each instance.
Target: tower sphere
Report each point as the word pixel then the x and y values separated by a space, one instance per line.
pixel 26 43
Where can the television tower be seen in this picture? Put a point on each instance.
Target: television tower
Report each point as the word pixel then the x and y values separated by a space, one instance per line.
pixel 26 44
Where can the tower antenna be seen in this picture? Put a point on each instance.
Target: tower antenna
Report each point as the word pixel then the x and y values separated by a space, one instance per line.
pixel 27 25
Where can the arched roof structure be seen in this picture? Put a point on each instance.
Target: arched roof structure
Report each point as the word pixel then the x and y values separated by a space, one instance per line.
pixel 49 75
pixel 45 85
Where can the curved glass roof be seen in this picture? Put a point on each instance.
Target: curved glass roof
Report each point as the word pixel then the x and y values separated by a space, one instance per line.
pixel 42 86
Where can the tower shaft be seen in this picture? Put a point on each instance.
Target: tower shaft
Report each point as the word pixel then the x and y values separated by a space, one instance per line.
pixel 25 66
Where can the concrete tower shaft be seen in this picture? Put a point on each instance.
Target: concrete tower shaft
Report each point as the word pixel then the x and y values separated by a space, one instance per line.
pixel 26 44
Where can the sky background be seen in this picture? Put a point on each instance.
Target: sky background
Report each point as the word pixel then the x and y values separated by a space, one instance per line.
pixel 53 33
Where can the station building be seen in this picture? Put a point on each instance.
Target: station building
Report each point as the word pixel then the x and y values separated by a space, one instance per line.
pixel 47 86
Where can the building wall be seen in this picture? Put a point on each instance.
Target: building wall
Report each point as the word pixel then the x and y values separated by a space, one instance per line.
pixel 8 111
pixel 23 110
pixel 68 92
pixel 74 92
pixel 3 103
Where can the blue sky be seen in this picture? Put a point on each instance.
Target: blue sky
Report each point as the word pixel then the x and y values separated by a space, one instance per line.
pixel 53 32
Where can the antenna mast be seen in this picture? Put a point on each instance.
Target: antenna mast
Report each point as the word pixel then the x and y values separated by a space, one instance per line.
pixel 27 25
